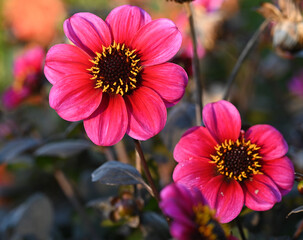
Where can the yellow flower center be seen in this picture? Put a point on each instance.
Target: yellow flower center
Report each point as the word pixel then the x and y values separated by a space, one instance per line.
pixel 239 160
pixel 116 70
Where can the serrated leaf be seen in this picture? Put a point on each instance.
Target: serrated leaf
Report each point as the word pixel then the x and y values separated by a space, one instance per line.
pixel 296 210
pixel 117 173
pixel 17 147
pixel 63 149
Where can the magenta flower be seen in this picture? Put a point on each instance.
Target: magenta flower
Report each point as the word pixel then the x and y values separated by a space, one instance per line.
pixel 27 72
pixel 116 79
pixel 232 167
pixel 191 218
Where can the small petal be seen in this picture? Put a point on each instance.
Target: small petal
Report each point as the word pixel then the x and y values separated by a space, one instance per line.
pixel 281 171
pixel 226 198
pixel 181 232
pixel 74 97
pixel 195 142
pixel 168 80
pixel 157 42
pixel 107 125
pixel 65 59
pixel 261 193
pixel 223 120
pixel 146 113
pixel 125 21
pixel 195 173
pixel 270 140
pixel 88 32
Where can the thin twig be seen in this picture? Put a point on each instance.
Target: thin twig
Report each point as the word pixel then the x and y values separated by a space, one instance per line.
pixel 69 193
pixel 239 225
pixel 146 170
pixel 196 64
pixel 242 56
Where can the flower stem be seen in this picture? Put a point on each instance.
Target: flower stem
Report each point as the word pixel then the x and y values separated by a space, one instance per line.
pixel 146 170
pixel 70 194
pixel 242 57
pixel 239 225
pixel 196 64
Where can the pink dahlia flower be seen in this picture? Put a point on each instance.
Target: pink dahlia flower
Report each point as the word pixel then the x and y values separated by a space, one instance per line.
pixel 116 78
pixel 191 218
pixel 27 72
pixel 232 167
pixel 209 5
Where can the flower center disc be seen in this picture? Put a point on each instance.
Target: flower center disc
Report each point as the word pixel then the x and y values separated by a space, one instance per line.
pixel 208 226
pixel 116 70
pixel 238 160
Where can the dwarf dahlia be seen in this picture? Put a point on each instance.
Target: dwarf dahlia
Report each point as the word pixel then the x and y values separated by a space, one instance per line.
pixel 191 217
pixel 232 167
pixel 116 79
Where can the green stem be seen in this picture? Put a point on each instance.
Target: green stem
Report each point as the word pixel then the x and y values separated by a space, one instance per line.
pixel 242 57
pixel 196 64
pixel 146 170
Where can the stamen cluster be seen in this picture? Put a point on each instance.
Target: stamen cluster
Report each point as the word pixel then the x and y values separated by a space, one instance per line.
pixel 207 224
pixel 116 70
pixel 238 160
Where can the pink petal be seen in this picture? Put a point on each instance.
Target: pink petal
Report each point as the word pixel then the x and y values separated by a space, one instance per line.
pixel 226 198
pixel 157 42
pixel 146 113
pixel 125 21
pixel 181 232
pixel 270 140
pixel 107 125
pixel 195 173
pixel 168 80
pixel 261 193
pixel 65 59
pixel 195 142
pixel 281 171
pixel 88 32
pixel 74 97
pixel 223 120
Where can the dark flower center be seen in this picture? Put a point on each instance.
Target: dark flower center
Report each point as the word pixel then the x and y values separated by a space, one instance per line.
pixel 116 70
pixel 207 224
pixel 238 160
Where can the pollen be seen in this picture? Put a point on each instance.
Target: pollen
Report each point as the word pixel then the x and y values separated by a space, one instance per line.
pixel 237 160
pixel 116 70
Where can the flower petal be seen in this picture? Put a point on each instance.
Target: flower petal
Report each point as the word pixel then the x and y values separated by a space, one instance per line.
pixel 195 142
pixel 107 125
pixel 223 120
pixel 74 97
pixel 270 140
pixel 195 173
pixel 157 42
pixel 64 59
pixel 226 198
pixel 261 193
pixel 168 80
pixel 281 171
pixel 125 21
pixel 146 113
pixel 88 32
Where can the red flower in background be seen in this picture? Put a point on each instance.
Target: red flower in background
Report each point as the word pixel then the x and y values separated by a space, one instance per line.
pixel 191 217
pixel 27 72
pixel 232 167
pixel 116 79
